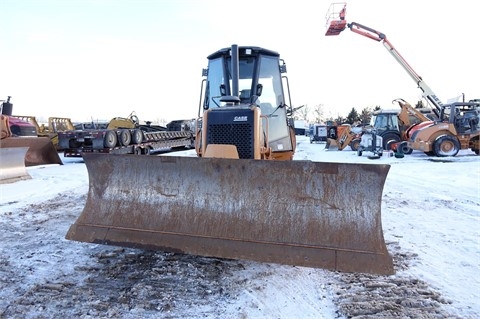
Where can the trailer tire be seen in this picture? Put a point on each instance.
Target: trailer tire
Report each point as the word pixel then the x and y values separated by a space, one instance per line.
pixel 446 145
pixel 110 139
pixel 137 136
pixel 125 137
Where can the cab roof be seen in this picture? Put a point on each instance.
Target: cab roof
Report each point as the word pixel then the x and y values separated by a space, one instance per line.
pixel 242 52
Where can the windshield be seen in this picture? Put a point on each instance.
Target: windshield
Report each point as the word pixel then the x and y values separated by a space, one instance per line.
pixel 253 70
pixel 384 122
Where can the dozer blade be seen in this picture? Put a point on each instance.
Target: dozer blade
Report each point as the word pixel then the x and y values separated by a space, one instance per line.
pixel 290 212
pixel 41 150
pixel 12 164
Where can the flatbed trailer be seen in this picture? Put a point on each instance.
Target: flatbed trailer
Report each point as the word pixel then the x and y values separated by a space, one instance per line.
pixel 153 142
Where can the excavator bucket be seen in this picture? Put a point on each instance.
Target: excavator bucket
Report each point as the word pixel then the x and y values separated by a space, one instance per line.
pixel 301 213
pixel 12 164
pixel 41 150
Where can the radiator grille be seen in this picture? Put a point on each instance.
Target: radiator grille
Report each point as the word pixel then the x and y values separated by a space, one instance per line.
pixel 223 129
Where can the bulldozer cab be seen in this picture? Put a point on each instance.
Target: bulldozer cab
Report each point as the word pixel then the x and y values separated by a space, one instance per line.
pixel 254 81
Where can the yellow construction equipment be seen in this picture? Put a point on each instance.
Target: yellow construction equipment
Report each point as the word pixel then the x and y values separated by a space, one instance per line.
pixel 346 136
pixel 55 125
pixel 242 196
pixel 16 132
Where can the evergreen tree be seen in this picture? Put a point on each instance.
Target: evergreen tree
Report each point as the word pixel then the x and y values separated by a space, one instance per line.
pixel 366 115
pixel 352 117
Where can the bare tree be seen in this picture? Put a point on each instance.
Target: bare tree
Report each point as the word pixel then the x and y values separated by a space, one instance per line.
pixel 318 113
pixel 301 113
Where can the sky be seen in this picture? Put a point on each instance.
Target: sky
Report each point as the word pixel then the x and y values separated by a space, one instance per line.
pixel 430 222
pixel 99 59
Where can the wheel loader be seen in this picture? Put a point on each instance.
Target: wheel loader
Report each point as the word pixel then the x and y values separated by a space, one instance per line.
pixel 242 196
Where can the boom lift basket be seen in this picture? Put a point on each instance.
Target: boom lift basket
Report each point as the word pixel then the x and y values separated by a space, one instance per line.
pixel 335 18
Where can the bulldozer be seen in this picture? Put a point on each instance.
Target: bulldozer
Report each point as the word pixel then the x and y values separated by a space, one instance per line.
pixel 242 195
pixel 55 125
pixel 17 133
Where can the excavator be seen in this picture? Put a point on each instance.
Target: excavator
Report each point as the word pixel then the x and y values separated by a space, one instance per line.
pixel 242 196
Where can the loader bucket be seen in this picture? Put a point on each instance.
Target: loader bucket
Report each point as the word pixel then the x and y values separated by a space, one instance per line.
pixel 12 164
pixel 290 212
pixel 41 150
pixel 331 144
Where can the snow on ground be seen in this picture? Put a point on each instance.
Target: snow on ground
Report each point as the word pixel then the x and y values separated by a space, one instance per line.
pixel 430 216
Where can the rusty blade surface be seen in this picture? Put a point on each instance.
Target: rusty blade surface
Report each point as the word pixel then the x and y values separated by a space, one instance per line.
pixel 41 150
pixel 12 164
pixel 325 215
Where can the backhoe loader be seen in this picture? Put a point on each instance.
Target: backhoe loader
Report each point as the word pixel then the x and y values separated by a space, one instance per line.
pixel 346 136
pixel 457 128
pixel 243 196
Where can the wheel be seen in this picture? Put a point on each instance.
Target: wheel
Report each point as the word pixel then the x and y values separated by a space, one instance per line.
pixel 355 144
pixel 110 139
pixel 405 149
pixel 446 145
pixel 124 137
pixel 389 139
pixel 137 136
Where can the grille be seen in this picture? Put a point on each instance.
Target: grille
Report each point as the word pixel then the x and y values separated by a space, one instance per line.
pixel 223 129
